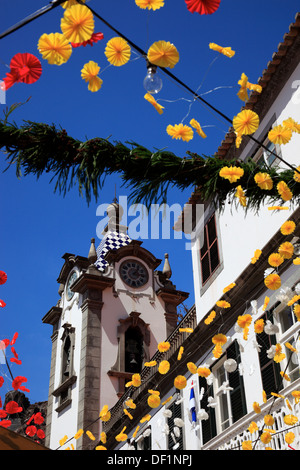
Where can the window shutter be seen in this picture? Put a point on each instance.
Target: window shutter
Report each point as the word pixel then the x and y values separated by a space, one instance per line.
pixel 209 429
pixel 176 413
pixel 270 370
pixel 236 381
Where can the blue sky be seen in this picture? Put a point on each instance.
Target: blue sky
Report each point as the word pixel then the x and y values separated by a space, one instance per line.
pixel 38 226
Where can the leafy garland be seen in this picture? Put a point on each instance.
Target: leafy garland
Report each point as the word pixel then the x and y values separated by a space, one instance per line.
pixel 38 148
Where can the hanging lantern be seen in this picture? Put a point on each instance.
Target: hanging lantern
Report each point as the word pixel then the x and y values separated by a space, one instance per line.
pixel 230 365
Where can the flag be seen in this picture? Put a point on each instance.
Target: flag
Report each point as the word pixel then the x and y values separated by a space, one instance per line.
pixel 192 406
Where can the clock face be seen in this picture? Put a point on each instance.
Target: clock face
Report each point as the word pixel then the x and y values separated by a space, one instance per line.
pixel 71 280
pixel 133 273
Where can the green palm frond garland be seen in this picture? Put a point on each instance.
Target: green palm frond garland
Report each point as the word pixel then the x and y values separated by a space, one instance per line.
pixel 37 148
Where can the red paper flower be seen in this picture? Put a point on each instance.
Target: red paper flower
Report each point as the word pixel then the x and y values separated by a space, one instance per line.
pixel 38 418
pixel 40 434
pixel 31 431
pixel 203 7
pixel 1 381
pixel 12 407
pixel 16 361
pixel 2 303
pixel 95 38
pixel 3 414
pixel 14 338
pixel 3 277
pixel 5 423
pixel 24 68
pixel 16 383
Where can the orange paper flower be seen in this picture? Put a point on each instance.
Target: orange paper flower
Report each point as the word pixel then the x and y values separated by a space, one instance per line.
pixel 164 367
pixel 180 382
pixel 246 122
pixel 150 4
pixel 55 48
pixel 89 73
pixel 273 281
pixel 195 124
pixel 275 260
pixel 280 135
pixel 210 317
pixel 263 180
pixel 227 51
pixel 154 103
pixel 284 191
pixel 286 250
pixel 163 346
pixel 279 355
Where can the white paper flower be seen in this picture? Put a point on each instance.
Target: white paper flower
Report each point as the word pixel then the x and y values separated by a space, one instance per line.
pixel 271 352
pixel 212 402
pixel 270 329
pixel 179 422
pixel 167 413
pixel 253 304
pixel 202 415
pixel 176 431
pixel 230 365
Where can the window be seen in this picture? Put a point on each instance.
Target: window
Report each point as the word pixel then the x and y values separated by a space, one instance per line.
pixel 270 370
pixel 230 399
pixel 209 253
pixel 134 351
pixel 289 334
pixel 143 441
pixel 173 440
pixel 265 155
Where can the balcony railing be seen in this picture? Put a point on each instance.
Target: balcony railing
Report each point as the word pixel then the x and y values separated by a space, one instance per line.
pixel 232 438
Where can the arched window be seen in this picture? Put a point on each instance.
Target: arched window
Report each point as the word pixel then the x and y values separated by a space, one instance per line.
pixel 134 350
pixel 66 359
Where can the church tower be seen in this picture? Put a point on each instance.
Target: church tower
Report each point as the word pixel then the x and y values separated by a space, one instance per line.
pixel 114 308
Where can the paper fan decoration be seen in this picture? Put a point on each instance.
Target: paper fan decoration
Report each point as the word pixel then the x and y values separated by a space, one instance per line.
pixel 24 68
pixel 203 7
pixel 95 38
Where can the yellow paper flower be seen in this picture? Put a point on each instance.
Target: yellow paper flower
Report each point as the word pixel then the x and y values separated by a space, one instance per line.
pixel 266 302
pixel 117 51
pixel 180 131
pixel 210 317
pixel 244 320
pixel 286 250
pixel 145 418
pixel 266 437
pixel 186 330
pixel 243 92
pixel 219 340
pixel 223 304
pixel 296 395
pixel 253 427
pixel 192 367
pixel 180 382
pixel 256 256
pixel 154 103
pixel 288 227
pixel 180 352
pixel 279 355
pixel 163 346
pixel 63 440
pixel 290 420
pixel 246 122
pixel 163 54
pixel 296 311
pixel 296 261
pixel 247 445
pixel 150 4
pixel 256 407
pixel 135 381
pixel 273 281
pixel 264 395
pixel 269 420
pixel 150 364
pixel 103 437
pixel 196 125
pixel 259 326
pixel 229 287
pixel 126 412
pixel 289 437
pixel 284 191
pixel 241 196
pixel 100 448
pixel 285 376
pixel 164 367
pixel 55 48
pixel 293 300
pixel 291 347
pixel 290 123
pixel 77 24
pixel 78 434
pixel 203 372
pixel 297 175
pixel 232 173
pixel 153 401
pixel 275 260
pixel 167 400
pixel 280 135
pixel 130 404
pixel 278 208
pixel 70 3
pixel 89 73
pixel 263 180
pixel 122 437
pixel 135 431
pixel 227 51
pixel 90 435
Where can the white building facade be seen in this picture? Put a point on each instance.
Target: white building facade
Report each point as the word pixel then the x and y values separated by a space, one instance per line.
pixel 223 252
